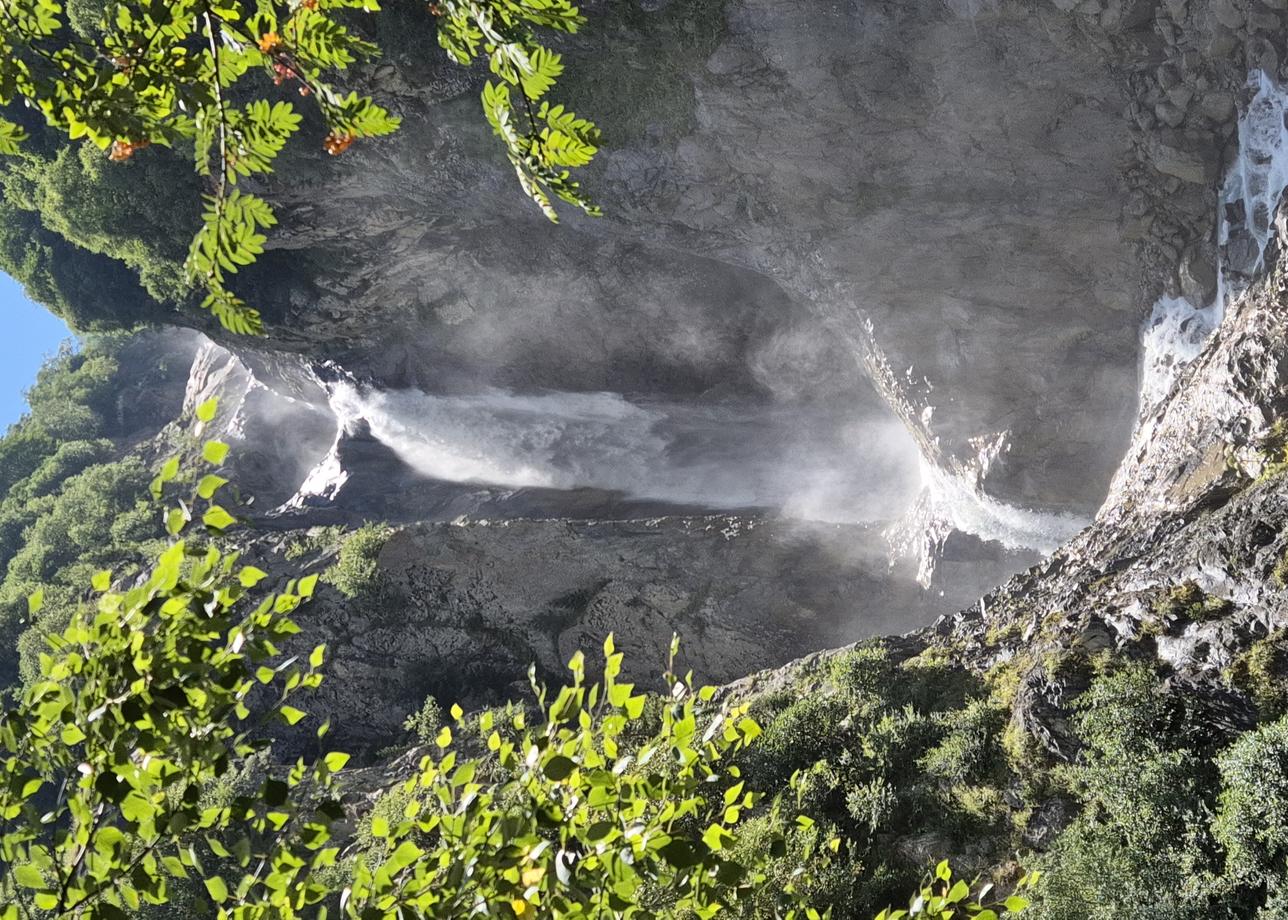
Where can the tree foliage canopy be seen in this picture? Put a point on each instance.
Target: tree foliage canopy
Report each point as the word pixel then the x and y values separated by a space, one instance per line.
pixel 211 77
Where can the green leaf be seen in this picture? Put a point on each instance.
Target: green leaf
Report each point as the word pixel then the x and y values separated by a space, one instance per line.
pixel 544 67
pixel 232 312
pixel 175 520
pixel 214 452
pixel 218 890
pixel 291 714
pixel 35 600
pixel 28 876
pixel 216 518
pixel 169 469
pixel 209 485
pixel 249 576
pixel 71 734
pixel 174 866
pixel 206 411
pixel 715 837
pixel 11 137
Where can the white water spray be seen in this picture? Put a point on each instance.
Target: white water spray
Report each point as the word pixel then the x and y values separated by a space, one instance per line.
pixel 973 511
pixel 811 464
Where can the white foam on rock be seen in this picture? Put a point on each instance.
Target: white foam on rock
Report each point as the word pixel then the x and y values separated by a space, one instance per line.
pixel 1177 329
pixel 1174 334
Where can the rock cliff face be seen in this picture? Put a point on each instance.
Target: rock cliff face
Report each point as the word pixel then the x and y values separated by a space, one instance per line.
pixel 819 190
pixel 944 219
pixel 460 611
pixel 1199 499
pixel 956 212
pixel 1184 566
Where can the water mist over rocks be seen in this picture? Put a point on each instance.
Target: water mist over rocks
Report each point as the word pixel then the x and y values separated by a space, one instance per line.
pixel 897 279
pixel 809 462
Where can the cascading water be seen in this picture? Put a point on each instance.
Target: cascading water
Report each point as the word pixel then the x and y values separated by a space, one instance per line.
pixel 1253 187
pixel 808 463
pixel 1177 329
pixel 975 512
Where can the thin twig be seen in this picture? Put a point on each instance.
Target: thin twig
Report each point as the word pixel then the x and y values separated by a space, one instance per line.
pixel 222 188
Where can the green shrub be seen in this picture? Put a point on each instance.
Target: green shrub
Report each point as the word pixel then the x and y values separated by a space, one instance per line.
pixel 872 804
pixel 356 574
pixel 796 738
pixel 1252 823
pixel 1187 603
pixel 1262 673
pixel 866 673
pixel 1141 845
pixel 969 752
pixel 426 722
pixel 315 540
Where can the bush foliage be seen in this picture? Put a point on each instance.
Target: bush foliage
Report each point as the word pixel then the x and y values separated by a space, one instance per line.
pixel 138 778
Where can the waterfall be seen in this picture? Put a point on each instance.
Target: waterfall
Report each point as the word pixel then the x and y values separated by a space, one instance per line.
pixel 811 463
pixel 801 460
pixel 1177 329
pixel 971 510
pixel 1252 189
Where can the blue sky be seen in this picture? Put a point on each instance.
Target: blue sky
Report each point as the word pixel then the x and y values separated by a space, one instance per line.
pixel 31 333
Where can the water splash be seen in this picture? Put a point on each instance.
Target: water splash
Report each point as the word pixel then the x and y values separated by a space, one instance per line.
pixel 973 511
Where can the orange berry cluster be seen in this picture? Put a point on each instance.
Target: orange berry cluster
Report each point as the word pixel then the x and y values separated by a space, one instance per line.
pixel 270 42
pixel 123 150
pixel 336 144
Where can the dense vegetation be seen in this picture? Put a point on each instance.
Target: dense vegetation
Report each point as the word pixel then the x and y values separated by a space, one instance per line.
pixel 136 781
pixel 74 498
pixel 1175 805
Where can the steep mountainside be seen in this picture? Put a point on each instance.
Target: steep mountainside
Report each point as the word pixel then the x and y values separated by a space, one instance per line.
pixel 894 299
pixel 955 211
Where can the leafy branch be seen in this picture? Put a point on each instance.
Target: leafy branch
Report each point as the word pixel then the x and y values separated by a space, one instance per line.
pixel 175 73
